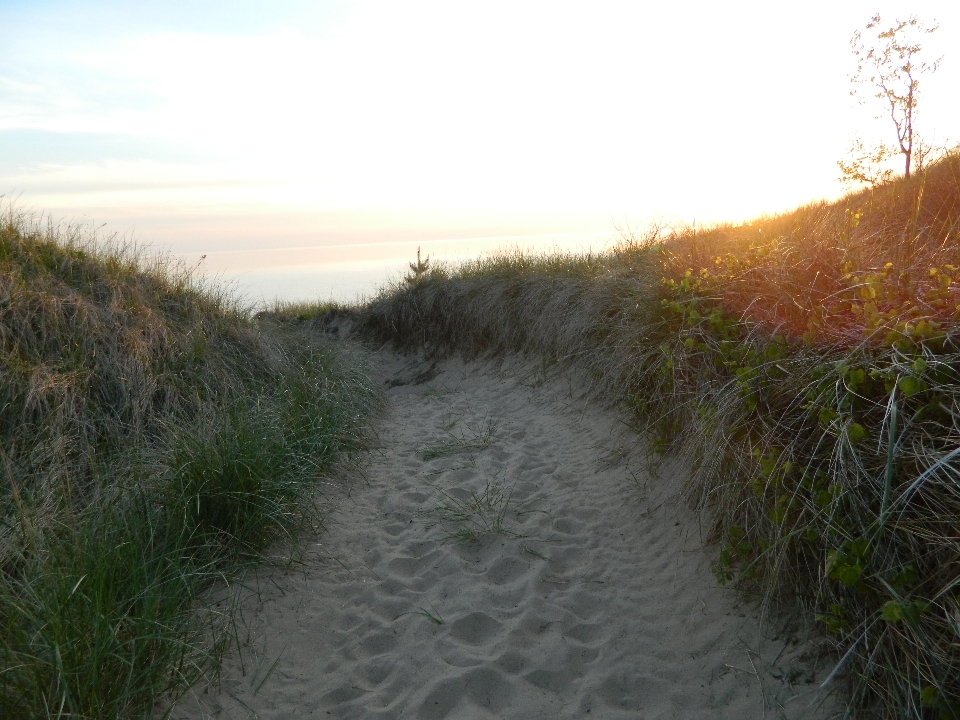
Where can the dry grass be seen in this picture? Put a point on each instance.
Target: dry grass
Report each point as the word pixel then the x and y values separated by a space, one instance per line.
pixel 877 262
pixel 806 365
pixel 152 438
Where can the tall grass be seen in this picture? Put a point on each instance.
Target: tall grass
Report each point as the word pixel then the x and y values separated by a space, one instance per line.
pixel 807 367
pixel 154 439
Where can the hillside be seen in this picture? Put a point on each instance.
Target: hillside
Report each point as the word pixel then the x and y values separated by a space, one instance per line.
pixel 806 366
pixel 154 439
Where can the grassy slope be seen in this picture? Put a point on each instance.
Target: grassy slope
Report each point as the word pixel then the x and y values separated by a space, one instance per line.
pixel 153 439
pixel 807 365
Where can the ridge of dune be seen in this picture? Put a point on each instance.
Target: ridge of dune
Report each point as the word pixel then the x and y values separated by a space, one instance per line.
pixel 509 554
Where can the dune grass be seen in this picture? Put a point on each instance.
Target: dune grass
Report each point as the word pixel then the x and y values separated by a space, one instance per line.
pixel 154 440
pixel 467 517
pixel 467 440
pixel 806 365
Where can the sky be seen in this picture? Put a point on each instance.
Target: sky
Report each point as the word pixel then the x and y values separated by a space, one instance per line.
pixel 305 149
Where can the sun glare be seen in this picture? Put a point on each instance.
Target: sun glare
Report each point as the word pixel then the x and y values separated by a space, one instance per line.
pixel 508 112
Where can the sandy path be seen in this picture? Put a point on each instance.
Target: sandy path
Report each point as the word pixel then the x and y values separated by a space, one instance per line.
pixel 595 599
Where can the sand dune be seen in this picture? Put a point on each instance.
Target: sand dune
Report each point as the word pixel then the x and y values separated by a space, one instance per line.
pixel 509 555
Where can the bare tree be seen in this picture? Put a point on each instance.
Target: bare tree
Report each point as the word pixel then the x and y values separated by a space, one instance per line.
pixel 886 64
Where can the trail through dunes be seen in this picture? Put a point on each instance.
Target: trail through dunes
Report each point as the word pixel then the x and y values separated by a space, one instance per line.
pixel 508 555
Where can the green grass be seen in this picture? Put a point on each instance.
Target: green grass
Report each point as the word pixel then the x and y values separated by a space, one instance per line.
pixel 155 440
pixel 104 621
pixel 432 615
pixel 468 517
pixel 469 440
pixel 806 367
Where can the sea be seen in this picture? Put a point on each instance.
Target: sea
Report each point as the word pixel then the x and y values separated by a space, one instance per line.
pixel 356 273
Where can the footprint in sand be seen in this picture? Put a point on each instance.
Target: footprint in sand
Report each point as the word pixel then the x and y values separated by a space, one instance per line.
pixel 497 563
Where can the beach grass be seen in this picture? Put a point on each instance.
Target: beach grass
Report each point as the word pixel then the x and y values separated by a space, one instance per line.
pixel 467 440
pixel 154 440
pixel 806 367
pixel 469 516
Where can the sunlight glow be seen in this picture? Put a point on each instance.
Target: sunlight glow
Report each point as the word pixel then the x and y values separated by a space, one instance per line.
pixel 529 117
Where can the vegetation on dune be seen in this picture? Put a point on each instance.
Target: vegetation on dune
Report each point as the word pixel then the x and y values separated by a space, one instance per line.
pixel 818 360
pixel 807 366
pixel 153 439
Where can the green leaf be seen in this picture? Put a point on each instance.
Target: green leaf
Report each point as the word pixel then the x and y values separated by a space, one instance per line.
pixel 915 609
pixel 842 568
pixel 929 696
pixel 859 548
pixel 856 432
pixel 892 611
pixel 848 574
pixel 911 386
pixel 905 577
pixel 835 618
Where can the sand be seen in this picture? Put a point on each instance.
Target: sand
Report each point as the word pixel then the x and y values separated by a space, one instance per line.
pixel 508 553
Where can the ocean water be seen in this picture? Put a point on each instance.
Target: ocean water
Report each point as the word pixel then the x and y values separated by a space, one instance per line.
pixel 340 282
pixel 353 273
